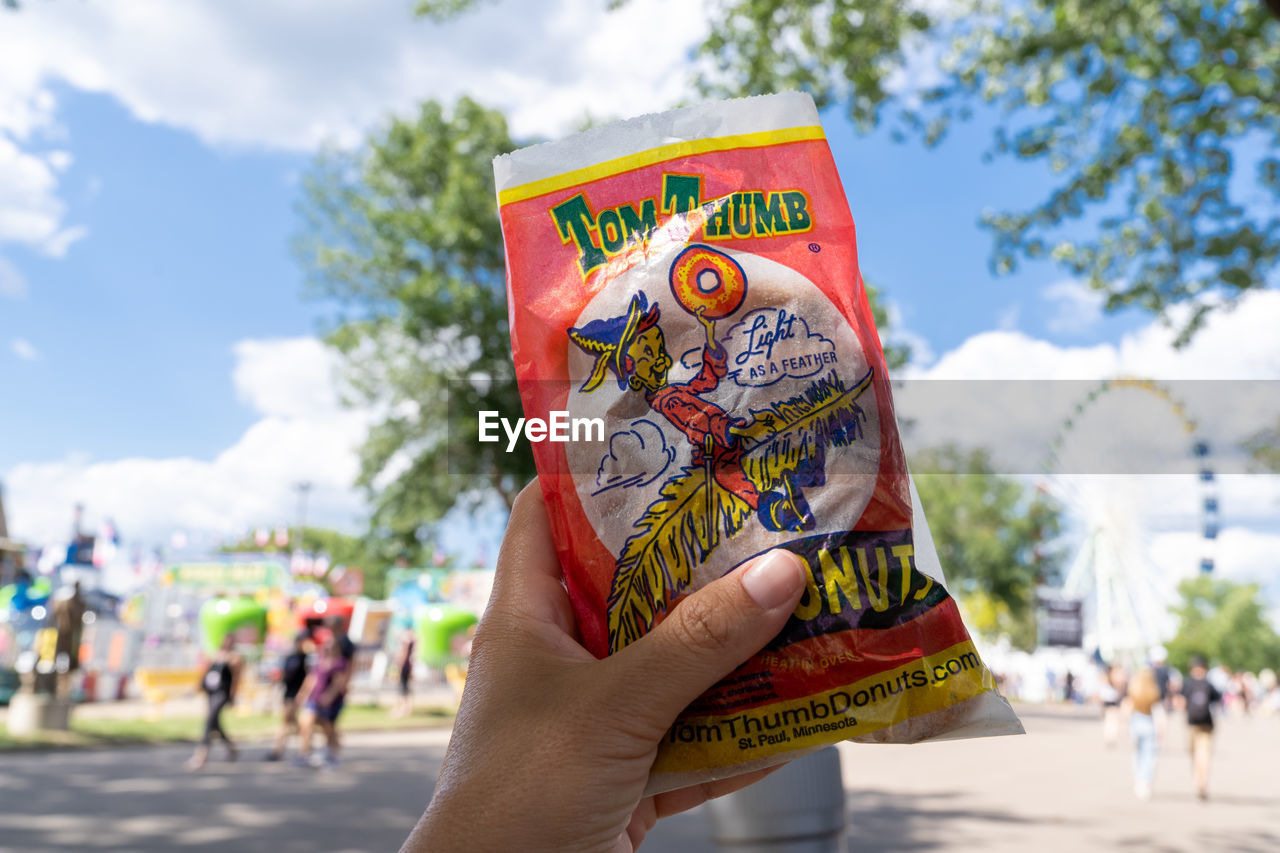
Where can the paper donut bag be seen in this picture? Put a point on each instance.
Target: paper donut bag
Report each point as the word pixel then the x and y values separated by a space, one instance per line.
pixel 688 318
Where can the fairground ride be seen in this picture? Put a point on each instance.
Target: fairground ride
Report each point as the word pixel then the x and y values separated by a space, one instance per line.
pixel 1128 464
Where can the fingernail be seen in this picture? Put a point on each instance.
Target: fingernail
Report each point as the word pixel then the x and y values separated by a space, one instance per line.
pixel 774 579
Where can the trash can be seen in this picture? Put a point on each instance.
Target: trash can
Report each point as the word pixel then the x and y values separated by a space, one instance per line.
pixel 798 809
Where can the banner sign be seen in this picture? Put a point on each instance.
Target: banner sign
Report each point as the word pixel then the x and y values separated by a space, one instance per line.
pixel 227 575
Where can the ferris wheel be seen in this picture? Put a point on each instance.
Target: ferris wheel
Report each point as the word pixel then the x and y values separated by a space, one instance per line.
pixel 1113 512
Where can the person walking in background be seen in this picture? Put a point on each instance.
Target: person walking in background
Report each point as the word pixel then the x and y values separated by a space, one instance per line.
pixel 1198 698
pixel 1244 686
pixel 293 672
pixel 1163 673
pixel 346 647
pixel 1141 701
pixel 325 689
pixel 220 682
pixel 1220 677
pixel 1175 690
pixel 1111 693
pixel 404 665
pixel 1268 692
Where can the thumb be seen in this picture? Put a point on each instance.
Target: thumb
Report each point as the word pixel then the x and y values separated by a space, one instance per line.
pixel 709 634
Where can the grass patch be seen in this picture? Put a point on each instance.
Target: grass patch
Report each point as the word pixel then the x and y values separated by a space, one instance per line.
pixel 248 727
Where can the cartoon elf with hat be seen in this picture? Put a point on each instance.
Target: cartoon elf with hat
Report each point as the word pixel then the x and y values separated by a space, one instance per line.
pixel 710 285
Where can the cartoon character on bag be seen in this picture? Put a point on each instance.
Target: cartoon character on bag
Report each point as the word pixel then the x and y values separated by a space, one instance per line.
pixel 741 466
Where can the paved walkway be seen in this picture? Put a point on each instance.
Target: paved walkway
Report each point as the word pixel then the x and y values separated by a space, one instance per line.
pixel 1057 789
pixel 1060 789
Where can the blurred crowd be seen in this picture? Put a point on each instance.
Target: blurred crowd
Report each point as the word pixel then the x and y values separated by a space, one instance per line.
pixel 1242 692
pixel 1140 702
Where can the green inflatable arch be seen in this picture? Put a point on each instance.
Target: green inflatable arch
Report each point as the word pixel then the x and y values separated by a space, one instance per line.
pixel 436 625
pixel 222 616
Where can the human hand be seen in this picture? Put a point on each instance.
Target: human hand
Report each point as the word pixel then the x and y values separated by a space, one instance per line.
pixel 551 749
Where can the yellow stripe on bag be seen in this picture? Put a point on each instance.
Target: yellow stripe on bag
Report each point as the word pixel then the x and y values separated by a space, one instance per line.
pixel 661 154
pixel 885 699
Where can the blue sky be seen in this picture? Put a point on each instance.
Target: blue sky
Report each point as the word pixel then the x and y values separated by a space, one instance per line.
pixel 157 352
pixel 186 253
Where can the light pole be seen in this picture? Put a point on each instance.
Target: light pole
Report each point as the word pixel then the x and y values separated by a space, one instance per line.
pixel 303 489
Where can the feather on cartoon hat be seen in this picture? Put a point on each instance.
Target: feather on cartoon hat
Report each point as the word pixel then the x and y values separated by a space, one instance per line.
pixel 609 338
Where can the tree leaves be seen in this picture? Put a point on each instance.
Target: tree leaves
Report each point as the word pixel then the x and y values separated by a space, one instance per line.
pixel 1143 106
pixel 402 237
pixel 840 51
pixel 991 536
pixel 441 11
pixel 1223 621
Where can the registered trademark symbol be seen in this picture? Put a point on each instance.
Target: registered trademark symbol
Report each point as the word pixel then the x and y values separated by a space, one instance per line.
pixel 815 248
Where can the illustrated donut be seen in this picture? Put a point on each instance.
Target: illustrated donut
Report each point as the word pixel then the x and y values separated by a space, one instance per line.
pixel 702 277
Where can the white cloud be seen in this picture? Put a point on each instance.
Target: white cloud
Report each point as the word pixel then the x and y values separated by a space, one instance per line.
pixel 59 161
pixel 25 106
pixel 291 74
pixel 1015 355
pixel 1076 308
pixel 30 211
pixel 23 349
pixel 12 282
pixel 287 378
pixel 1237 343
pixel 303 435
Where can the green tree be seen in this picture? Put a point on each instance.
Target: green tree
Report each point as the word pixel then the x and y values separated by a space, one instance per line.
pixel 1146 108
pixel 1143 108
pixel 403 235
pixel 991 533
pixel 1225 622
